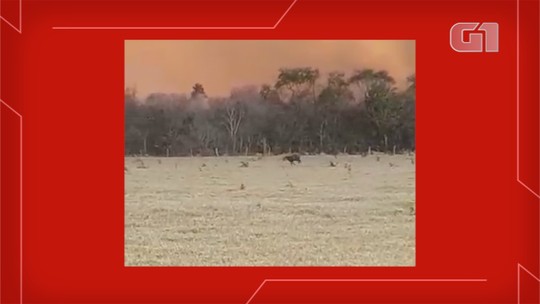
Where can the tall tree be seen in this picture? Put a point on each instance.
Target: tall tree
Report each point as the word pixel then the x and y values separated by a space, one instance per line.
pixel 380 103
pixel 332 100
pixel 372 82
pixel 298 81
pixel 197 91
pixel 408 117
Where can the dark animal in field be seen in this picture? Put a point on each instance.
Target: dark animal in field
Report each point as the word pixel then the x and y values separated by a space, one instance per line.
pixel 292 158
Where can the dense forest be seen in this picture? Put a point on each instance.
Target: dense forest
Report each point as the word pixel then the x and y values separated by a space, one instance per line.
pixel 300 112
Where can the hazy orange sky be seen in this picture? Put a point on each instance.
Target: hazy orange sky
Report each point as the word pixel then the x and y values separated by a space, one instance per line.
pixel 173 66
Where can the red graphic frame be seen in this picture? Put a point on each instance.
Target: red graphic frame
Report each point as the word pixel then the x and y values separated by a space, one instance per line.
pixel 62 213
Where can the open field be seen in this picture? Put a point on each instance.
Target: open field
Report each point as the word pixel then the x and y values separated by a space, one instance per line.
pixel 210 211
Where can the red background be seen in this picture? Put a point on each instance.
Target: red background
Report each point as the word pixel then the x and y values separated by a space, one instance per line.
pixel 475 220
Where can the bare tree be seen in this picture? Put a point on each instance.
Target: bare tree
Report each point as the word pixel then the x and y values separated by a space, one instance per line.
pixel 232 119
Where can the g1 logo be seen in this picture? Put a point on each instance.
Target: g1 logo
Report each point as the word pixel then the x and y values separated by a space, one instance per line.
pixel 475 37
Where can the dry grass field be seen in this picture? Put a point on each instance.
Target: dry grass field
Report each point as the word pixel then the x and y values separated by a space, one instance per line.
pixel 214 211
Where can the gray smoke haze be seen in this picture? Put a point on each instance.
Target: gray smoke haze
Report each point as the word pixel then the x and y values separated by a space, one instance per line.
pixel 174 66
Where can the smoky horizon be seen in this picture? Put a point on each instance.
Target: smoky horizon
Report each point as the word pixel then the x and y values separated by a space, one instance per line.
pixel 221 66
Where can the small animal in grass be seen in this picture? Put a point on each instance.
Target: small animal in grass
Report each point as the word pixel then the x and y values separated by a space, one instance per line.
pixel 292 159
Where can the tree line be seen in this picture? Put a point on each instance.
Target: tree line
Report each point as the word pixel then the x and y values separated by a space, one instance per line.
pixel 300 112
